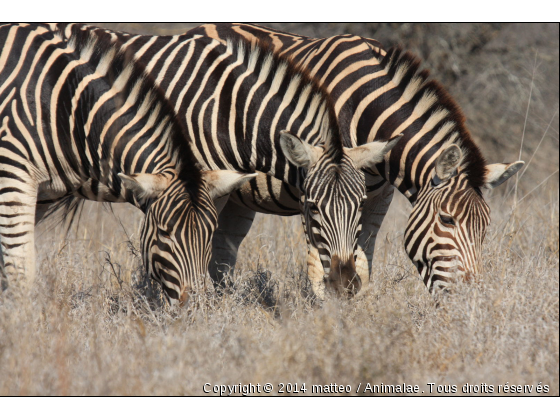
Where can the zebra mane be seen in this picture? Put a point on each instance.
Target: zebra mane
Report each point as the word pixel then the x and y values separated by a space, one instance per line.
pixel 258 54
pixel 104 44
pixel 94 45
pixel 403 67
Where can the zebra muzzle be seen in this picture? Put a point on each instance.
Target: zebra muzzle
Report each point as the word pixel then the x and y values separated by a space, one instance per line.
pixel 343 278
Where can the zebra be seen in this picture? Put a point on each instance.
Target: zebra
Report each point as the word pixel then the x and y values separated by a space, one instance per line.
pixel 436 165
pixel 248 110
pixel 80 120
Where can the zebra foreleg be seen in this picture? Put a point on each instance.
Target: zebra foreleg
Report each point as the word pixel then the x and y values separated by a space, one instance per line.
pixel 375 209
pixel 17 232
pixel 233 224
pixel 3 281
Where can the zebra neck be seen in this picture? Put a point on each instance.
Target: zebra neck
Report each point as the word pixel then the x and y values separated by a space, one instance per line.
pixel 92 110
pixel 233 101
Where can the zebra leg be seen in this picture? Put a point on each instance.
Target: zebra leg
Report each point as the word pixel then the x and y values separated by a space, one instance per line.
pixel 17 230
pixel 375 209
pixel 233 224
pixel 3 281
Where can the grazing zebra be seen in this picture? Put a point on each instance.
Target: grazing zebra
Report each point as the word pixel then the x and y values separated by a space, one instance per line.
pixel 80 120
pixel 248 110
pixel 436 165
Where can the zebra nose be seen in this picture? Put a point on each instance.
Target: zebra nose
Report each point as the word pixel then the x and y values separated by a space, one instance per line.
pixel 343 278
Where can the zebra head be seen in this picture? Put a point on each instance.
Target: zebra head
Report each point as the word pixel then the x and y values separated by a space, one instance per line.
pixel 180 221
pixel 448 222
pixel 331 203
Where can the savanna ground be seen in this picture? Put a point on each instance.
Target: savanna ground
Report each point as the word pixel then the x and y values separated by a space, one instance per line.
pixel 85 327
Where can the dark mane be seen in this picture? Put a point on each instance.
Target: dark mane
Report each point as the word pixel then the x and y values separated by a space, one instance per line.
pixel 69 209
pixel 294 70
pixel 474 164
pixel 189 171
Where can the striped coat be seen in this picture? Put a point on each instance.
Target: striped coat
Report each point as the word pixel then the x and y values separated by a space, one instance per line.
pixel 248 109
pixel 81 120
pixel 436 165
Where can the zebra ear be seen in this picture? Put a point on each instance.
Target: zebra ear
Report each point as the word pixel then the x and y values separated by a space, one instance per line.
pixel 367 155
pixel 447 163
pixel 498 173
pixel 221 183
pixel 144 186
pixel 298 152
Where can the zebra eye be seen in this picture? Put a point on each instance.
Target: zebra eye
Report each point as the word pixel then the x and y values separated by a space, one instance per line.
pixel 361 208
pixel 447 220
pixel 163 234
pixel 314 209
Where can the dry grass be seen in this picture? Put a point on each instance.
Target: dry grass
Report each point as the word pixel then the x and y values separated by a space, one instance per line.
pixel 83 328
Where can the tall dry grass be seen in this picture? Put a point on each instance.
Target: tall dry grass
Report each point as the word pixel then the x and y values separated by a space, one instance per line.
pixel 84 327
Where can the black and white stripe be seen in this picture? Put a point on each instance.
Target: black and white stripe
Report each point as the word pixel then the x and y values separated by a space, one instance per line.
pixel 80 119
pixel 246 109
pixel 379 94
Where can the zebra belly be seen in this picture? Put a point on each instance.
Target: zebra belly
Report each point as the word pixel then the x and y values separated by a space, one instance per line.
pixel 92 190
pixel 52 191
pixel 269 195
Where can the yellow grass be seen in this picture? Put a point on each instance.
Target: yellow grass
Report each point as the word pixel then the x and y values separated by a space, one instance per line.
pixel 84 328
